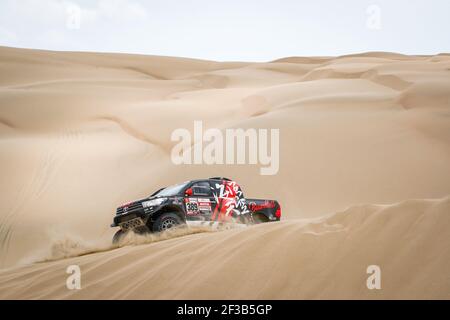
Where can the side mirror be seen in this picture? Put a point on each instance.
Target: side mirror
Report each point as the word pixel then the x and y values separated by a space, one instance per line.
pixel 189 192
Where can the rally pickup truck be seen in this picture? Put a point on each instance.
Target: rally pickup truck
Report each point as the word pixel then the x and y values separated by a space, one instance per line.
pixel 215 200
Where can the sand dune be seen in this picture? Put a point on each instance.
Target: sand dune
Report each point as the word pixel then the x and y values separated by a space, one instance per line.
pixel 81 133
pixel 296 259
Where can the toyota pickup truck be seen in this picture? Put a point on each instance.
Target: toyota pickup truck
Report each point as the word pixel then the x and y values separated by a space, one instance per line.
pixel 215 199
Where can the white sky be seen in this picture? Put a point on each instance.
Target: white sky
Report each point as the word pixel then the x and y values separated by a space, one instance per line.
pixel 252 30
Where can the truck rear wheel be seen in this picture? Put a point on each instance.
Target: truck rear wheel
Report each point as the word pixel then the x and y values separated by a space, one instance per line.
pixel 166 221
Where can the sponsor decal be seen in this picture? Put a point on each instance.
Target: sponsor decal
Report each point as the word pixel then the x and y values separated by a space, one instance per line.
pixel 126 204
pixel 230 201
pixel 204 205
pixel 192 206
pixel 266 205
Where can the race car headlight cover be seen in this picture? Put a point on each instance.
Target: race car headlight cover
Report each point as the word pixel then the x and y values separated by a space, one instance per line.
pixel 153 203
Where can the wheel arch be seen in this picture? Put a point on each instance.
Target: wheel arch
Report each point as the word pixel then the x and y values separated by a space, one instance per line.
pixel 167 209
pixel 260 217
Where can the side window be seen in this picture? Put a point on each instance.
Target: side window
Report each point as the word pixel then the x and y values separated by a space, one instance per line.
pixel 201 189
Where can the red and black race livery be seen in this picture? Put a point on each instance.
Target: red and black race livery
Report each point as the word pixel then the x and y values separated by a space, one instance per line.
pixel 214 199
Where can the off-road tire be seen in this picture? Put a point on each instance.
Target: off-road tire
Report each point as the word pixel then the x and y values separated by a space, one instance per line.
pixel 118 236
pixel 166 221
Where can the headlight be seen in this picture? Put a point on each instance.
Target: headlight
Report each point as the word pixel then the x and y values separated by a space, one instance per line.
pixel 152 203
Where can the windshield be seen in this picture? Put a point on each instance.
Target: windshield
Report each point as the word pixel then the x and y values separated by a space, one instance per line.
pixel 172 190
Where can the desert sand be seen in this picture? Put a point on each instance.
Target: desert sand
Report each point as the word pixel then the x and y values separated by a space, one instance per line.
pixel 361 135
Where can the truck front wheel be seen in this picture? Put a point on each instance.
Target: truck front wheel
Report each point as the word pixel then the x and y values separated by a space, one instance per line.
pixel 118 236
pixel 166 221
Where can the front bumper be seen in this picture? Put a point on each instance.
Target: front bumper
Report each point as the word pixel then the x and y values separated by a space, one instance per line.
pixel 126 219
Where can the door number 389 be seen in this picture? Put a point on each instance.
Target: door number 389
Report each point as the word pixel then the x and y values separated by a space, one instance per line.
pixel 191 206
